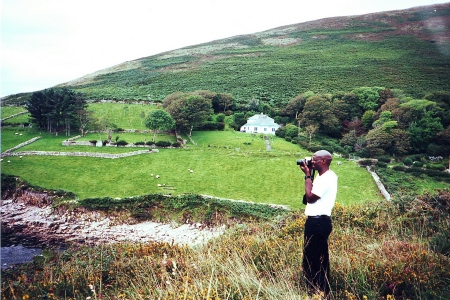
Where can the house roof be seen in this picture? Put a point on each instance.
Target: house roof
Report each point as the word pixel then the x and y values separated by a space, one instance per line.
pixel 261 120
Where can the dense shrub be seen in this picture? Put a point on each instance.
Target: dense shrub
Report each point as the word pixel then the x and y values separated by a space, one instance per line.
pixel 210 126
pixel 139 143
pixel 365 162
pixel 384 158
pixel 220 117
pixel 399 168
pixel 381 164
pixel 163 144
pixel 121 143
pixel 280 132
pixel 439 167
pixel 417 164
pixel 93 142
pixel 407 161
pixel 417 157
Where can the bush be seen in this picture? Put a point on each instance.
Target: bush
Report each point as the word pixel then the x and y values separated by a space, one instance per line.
pixel 163 144
pixel 417 164
pixel 280 132
pixel 210 126
pixel 399 168
pixel 175 144
pixel 139 143
pixel 93 142
pixel 408 161
pixel 365 162
pixel 220 118
pixel 384 158
pixel 121 143
pixel 439 167
pixel 381 164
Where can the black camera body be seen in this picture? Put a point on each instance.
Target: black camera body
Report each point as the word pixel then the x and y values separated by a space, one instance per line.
pixel 305 162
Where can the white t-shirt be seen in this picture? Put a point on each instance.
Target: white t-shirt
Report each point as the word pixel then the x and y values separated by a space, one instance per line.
pixel 324 186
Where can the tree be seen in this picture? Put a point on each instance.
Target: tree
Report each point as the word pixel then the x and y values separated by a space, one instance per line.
pixel 222 102
pixel 368 118
pixel 238 120
pixel 368 97
pixel 188 110
pixel 159 120
pixel 311 130
pixel 442 99
pixel 423 132
pixel 196 110
pixel 318 110
pixel 86 120
pixel 105 125
pixel 290 131
pixel 294 107
pixel 56 110
pixel 387 138
pixel 351 99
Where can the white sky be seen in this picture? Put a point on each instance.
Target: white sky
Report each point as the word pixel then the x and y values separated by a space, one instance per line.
pixel 48 42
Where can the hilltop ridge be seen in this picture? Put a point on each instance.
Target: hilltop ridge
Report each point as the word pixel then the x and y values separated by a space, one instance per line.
pixel 403 49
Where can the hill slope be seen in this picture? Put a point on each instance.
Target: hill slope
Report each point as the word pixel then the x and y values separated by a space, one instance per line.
pixel 407 50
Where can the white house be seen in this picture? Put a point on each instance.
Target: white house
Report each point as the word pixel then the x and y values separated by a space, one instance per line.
pixel 260 123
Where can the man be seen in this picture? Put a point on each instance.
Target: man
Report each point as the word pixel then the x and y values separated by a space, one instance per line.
pixel 320 198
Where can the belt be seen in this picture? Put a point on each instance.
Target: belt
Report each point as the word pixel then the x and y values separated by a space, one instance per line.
pixel 319 217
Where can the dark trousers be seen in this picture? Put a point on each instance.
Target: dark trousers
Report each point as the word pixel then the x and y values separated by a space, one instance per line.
pixel 316 260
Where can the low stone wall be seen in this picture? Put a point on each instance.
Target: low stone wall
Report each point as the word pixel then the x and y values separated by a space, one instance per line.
pixel 15 115
pixel 85 154
pixel 379 184
pixel 8 152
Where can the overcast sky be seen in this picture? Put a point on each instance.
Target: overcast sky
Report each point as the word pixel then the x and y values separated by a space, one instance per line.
pixel 48 42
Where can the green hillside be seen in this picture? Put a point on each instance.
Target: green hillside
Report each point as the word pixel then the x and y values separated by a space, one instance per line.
pixel 407 50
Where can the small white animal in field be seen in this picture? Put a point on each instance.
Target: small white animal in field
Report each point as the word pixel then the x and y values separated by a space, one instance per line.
pixel 157 176
pixel 192 171
pixel 339 163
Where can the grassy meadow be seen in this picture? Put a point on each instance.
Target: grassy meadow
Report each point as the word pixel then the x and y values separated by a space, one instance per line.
pixel 226 164
pixel 124 115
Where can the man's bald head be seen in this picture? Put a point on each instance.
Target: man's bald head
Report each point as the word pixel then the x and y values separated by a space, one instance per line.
pixel 325 155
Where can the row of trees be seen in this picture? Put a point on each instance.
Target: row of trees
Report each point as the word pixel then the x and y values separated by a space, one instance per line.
pixel 376 121
pixel 57 110
pixel 368 121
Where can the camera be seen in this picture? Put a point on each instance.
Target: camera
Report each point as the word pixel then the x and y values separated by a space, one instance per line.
pixel 305 162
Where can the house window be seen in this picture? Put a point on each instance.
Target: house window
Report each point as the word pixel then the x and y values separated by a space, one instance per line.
pixel 265 129
pixel 256 128
pixel 273 130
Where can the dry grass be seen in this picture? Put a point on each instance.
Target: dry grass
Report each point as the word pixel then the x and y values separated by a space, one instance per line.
pixel 380 251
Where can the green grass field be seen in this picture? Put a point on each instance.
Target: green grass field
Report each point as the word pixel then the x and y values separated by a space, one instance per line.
pixel 226 164
pixel 129 116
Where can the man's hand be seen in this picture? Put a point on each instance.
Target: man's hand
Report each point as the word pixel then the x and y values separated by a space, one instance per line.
pixel 305 169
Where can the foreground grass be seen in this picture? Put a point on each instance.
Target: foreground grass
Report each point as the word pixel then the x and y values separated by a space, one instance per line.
pixel 388 250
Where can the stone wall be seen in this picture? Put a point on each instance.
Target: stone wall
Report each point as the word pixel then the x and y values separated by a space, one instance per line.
pixel 85 154
pixel 8 152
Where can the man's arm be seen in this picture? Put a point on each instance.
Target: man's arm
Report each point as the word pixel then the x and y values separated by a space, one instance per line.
pixel 310 197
